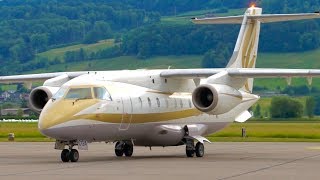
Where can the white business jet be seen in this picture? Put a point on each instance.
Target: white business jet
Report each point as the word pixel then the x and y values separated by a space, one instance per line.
pixel 168 107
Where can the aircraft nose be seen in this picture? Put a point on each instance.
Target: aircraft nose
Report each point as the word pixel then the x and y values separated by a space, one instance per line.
pixel 46 119
pixel 41 124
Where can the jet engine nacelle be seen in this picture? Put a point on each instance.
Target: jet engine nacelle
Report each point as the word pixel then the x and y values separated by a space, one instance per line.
pixel 40 96
pixel 215 99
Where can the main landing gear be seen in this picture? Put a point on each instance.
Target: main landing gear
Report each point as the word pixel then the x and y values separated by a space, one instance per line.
pixel 123 147
pixel 191 149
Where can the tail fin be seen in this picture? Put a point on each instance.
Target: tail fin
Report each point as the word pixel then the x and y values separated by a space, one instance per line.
pixel 246 48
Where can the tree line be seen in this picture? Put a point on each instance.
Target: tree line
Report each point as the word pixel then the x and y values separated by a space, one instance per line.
pixel 33 26
pixel 216 41
pixel 286 107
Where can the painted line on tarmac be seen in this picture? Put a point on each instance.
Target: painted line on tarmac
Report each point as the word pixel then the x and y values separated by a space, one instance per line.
pixel 268 167
pixel 313 148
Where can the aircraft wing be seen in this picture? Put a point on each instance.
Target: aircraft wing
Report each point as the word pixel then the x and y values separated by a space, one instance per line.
pixel 240 72
pixel 38 77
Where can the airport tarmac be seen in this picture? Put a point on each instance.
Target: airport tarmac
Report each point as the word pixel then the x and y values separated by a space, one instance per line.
pixel 222 161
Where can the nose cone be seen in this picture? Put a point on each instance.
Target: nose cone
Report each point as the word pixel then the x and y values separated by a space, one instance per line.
pixel 56 114
pixel 44 120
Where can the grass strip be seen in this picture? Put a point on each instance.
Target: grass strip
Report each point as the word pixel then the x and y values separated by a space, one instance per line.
pixel 256 132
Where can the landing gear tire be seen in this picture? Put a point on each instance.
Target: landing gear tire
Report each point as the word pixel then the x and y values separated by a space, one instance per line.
pixel 65 155
pixel 190 153
pixel 190 147
pixel 118 151
pixel 199 149
pixel 74 155
pixel 128 150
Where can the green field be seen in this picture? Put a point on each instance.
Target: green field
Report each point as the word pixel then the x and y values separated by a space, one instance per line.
pixel 184 18
pixel 283 131
pixel 59 52
pixel 275 131
pixel 127 62
pixel 22 131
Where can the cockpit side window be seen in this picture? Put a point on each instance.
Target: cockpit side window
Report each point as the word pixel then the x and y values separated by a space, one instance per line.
pixel 101 93
pixel 61 92
pixel 79 93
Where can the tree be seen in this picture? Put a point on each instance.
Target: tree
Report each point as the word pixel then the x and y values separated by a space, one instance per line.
pixel 257 111
pixel 285 107
pixel 20 113
pixel 39 42
pixel 213 59
pixel 310 106
pixel 317 105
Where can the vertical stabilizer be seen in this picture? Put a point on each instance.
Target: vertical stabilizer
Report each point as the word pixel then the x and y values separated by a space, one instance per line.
pixel 246 49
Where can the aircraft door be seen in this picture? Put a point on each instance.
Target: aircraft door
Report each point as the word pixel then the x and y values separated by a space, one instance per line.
pixel 127 111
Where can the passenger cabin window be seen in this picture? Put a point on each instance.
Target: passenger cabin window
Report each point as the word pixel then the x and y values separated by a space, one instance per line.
pixel 79 93
pixel 101 93
pixel 181 103
pixel 140 101
pixel 149 102
pixel 167 103
pixel 190 105
pixel 158 102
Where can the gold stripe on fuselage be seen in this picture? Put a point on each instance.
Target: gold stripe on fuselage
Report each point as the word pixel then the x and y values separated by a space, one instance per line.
pixel 64 111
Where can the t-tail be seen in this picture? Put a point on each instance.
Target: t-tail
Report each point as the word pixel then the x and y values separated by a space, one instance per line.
pixel 246 48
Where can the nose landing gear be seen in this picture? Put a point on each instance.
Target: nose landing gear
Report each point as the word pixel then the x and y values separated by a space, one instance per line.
pixel 67 154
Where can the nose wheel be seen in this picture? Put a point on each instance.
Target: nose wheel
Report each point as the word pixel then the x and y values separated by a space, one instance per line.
pixel 69 155
pixel 125 148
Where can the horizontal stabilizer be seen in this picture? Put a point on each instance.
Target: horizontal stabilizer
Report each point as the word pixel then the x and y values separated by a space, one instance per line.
pixel 264 18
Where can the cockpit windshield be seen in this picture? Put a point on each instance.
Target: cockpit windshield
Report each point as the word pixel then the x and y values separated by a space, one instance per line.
pixel 60 93
pixel 79 93
pixel 82 93
pixel 101 93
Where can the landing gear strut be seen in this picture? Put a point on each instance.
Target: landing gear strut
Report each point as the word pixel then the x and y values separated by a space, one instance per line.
pixel 190 148
pixel 123 147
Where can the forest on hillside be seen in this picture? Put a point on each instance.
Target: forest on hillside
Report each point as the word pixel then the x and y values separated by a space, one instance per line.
pixel 29 27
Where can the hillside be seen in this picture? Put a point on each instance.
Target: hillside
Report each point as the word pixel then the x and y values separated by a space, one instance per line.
pixel 307 59
pixel 37 34
pixel 151 34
